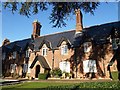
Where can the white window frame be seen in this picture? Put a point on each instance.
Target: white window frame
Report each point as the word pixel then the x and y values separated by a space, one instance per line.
pixel 13 67
pixel 44 51
pixel 27 53
pixel 14 54
pixel 3 56
pixel 64 50
pixel 64 66
pixel 25 68
pixel 89 66
pixel 87 47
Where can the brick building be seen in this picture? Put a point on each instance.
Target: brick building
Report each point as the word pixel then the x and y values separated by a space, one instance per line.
pixel 78 51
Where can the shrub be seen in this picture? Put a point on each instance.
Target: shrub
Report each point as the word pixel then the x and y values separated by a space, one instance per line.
pixel 56 72
pixel 67 75
pixel 43 76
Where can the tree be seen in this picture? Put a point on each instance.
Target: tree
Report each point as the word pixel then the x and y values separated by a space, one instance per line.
pixel 60 10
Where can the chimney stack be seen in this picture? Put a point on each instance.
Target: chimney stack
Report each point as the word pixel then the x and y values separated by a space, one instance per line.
pixel 5 42
pixel 36 29
pixel 79 25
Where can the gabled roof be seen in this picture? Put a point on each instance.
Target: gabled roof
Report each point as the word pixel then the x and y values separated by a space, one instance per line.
pixel 54 39
pixel 16 46
pixel 45 42
pixel 42 61
pixel 63 39
pixel 97 34
pixel 5 49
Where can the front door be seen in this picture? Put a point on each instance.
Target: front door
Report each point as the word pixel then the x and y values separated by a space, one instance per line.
pixel 37 71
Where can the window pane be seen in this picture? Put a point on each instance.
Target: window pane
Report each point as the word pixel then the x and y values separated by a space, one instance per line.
pixel 14 55
pixel 44 51
pixel 64 49
pixel 114 44
pixel 27 53
pixel 87 46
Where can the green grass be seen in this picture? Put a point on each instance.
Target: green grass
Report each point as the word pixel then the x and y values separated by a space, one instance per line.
pixel 113 85
pixel 33 85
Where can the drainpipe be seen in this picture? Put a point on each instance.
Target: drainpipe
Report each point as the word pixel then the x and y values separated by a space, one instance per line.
pixel 53 51
pixel 104 67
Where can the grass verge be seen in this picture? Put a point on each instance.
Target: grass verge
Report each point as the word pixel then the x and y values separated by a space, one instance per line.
pixel 113 85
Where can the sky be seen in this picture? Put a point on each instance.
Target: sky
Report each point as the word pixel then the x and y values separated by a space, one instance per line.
pixel 17 27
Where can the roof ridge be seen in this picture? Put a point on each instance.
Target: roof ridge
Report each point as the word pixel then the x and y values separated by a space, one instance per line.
pixel 57 33
pixel 100 24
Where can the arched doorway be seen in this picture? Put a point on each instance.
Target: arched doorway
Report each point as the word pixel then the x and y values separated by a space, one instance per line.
pixel 37 71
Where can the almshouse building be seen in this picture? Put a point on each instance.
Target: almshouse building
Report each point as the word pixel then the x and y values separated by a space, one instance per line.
pixel 80 52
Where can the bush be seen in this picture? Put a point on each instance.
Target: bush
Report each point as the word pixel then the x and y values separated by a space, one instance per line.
pixel 115 75
pixel 56 72
pixel 43 76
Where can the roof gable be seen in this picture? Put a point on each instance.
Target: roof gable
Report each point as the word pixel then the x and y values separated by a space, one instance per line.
pixel 48 44
pixel 42 61
pixel 63 39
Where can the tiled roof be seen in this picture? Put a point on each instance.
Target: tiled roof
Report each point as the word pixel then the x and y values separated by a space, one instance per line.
pixel 54 39
pixel 16 46
pixel 98 34
pixel 42 61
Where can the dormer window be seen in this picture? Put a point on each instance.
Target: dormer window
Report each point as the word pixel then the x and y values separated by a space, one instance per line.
pixel 14 54
pixel 3 56
pixel 44 51
pixel 87 47
pixel 64 49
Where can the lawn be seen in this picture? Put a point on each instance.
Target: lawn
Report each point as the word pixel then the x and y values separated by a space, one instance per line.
pixel 114 85
pixel 33 85
pixel 97 85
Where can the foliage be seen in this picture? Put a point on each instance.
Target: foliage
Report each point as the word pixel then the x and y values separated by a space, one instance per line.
pixel 43 76
pixel 66 75
pixel 115 75
pixel 60 10
pixel 56 72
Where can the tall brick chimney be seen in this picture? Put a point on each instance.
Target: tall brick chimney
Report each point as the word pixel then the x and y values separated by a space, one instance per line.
pixel 36 29
pixel 79 25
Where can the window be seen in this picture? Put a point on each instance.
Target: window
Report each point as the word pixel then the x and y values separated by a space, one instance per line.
pixel 3 56
pixel 115 43
pixel 64 49
pixel 27 53
pixel 87 47
pixel 64 66
pixel 89 66
pixel 44 51
pixel 25 68
pixel 13 67
pixel 14 54
pixel 28 68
